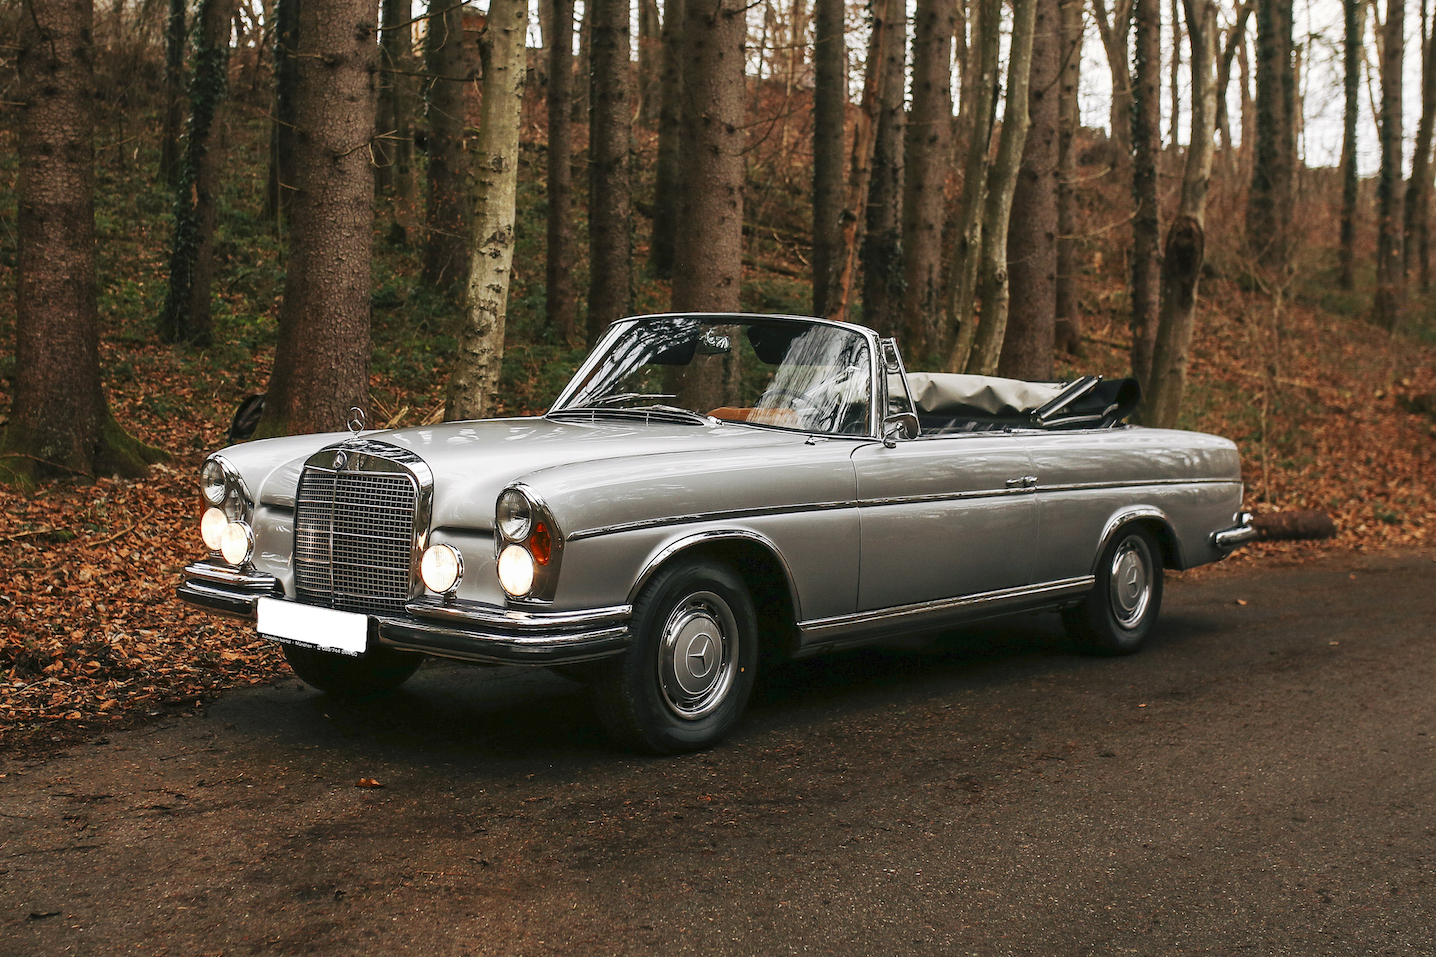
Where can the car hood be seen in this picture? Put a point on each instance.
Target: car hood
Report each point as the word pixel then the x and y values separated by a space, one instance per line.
pixel 473 461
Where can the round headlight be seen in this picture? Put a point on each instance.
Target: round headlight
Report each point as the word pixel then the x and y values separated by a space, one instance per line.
pixel 211 482
pixel 516 571
pixel 515 515
pixel 441 568
pixel 211 527
pixel 236 543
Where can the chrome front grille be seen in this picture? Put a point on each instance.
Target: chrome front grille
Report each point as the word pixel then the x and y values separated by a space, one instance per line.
pixel 354 538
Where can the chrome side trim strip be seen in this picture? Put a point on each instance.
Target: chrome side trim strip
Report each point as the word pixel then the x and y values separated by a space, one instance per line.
pixel 822 630
pixel 736 514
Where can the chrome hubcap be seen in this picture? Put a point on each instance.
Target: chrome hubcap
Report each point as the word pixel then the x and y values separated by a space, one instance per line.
pixel 1131 582
pixel 697 656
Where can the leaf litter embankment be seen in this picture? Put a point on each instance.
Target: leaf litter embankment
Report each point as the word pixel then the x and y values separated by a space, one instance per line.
pixel 92 637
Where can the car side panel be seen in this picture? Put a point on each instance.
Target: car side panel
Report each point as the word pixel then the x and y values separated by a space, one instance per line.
pixel 1086 480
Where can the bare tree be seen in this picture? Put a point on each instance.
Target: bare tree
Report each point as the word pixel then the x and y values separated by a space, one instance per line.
pixel 670 132
pixel 60 423
pixel 1032 234
pixel 279 189
pixel 650 63
pixel 394 141
pixel 1002 182
pixel 967 236
pixel 830 104
pixel 474 386
pixel 448 212
pixel 1355 29
pixel 561 305
pixel 708 258
pixel 1069 120
pixel 928 152
pixel 882 251
pixel 610 242
pixel 321 362
pixel 1235 39
pixel 1147 148
pixel 186 316
pixel 1418 187
pixel 1115 28
pixel 1389 302
pixel 1186 239
pixel 174 92
pixel 1272 196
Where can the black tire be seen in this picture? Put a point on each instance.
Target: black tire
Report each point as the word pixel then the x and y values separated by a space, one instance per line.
pixel 683 683
pixel 1117 615
pixel 376 672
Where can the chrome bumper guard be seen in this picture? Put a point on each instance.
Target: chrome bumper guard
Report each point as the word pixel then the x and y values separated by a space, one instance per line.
pixel 467 631
pixel 1241 533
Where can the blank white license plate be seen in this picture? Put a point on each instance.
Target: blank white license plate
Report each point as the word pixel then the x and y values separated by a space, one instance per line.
pixel 322 628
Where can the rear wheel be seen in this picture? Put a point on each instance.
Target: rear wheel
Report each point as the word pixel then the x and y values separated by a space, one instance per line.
pixel 377 671
pixel 1117 614
pixel 684 681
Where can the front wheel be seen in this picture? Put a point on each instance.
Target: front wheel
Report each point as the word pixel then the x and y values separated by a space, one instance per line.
pixel 685 680
pixel 1117 614
pixel 375 672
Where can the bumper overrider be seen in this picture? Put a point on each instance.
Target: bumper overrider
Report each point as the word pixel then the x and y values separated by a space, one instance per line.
pixel 467 631
pixel 1239 534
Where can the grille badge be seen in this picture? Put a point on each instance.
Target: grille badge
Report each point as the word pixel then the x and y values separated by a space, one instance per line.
pixel 340 459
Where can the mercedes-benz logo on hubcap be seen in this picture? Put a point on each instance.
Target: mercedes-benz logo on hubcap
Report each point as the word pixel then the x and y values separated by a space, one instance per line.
pixel 698 656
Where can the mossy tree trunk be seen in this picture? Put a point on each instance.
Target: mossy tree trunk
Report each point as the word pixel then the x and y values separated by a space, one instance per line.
pixel 670 133
pixel 60 423
pixel 1389 302
pixel 559 288
pixel 1146 151
pixel 882 249
pixel 610 133
pixel 451 70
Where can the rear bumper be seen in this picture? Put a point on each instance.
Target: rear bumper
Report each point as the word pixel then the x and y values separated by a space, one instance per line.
pixel 1239 534
pixel 467 631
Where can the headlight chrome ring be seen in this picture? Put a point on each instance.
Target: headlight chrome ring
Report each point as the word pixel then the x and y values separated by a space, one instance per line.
pixel 236 543
pixel 441 568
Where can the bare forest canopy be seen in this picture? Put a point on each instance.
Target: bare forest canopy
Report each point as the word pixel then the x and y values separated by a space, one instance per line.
pixel 414 210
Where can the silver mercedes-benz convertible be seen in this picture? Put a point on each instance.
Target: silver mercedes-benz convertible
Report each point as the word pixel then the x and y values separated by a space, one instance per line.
pixel 711 492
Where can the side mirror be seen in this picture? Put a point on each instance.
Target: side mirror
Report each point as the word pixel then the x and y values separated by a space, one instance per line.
pixel 900 425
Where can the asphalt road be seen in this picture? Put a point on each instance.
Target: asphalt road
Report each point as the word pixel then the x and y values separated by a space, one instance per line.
pixel 1261 780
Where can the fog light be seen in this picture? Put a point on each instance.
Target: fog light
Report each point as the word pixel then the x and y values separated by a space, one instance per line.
pixel 236 543
pixel 441 568
pixel 211 527
pixel 516 571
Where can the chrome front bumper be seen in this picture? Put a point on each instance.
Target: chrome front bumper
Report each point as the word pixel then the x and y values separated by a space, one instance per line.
pixel 466 631
pixel 1239 534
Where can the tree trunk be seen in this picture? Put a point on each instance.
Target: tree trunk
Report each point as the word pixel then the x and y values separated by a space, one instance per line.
pixel 830 104
pixel 1069 120
pixel 1235 40
pixel 1186 240
pixel 967 237
pixel 610 242
pixel 394 145
pixel 1272 194
pixel 670 134
pixel 882 238
pixel 927 154
pixel 1389 302
pixel 1116 32
pixel 650 63
pixel 1002 182
pixel 280 186
pixel 861 164
pixel 708 258
pixel 186 316
pixel 559 287
pixel 448 222
pixel 1418 188
pixel 474 385
pixel 174 93
pixel 60 423
pixel 321 362
pixel 1032 235
pixel 1147 147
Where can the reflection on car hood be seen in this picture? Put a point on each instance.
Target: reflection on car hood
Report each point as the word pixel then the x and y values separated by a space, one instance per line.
pixel 473 461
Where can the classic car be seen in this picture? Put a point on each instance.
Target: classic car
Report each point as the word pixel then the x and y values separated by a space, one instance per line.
pixel 708 493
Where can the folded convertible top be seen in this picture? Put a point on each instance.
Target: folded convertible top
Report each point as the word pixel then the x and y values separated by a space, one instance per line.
pixel 1089 401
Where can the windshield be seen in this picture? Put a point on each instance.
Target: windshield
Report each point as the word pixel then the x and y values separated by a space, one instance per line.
pixel 781 373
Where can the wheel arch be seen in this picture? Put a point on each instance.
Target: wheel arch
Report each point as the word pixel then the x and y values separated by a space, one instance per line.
pixel 1154 520
pixel 755 559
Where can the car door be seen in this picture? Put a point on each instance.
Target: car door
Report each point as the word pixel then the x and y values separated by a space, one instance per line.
pixel 943 517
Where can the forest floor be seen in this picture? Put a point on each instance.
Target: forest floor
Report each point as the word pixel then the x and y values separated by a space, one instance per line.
pixel 92 637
